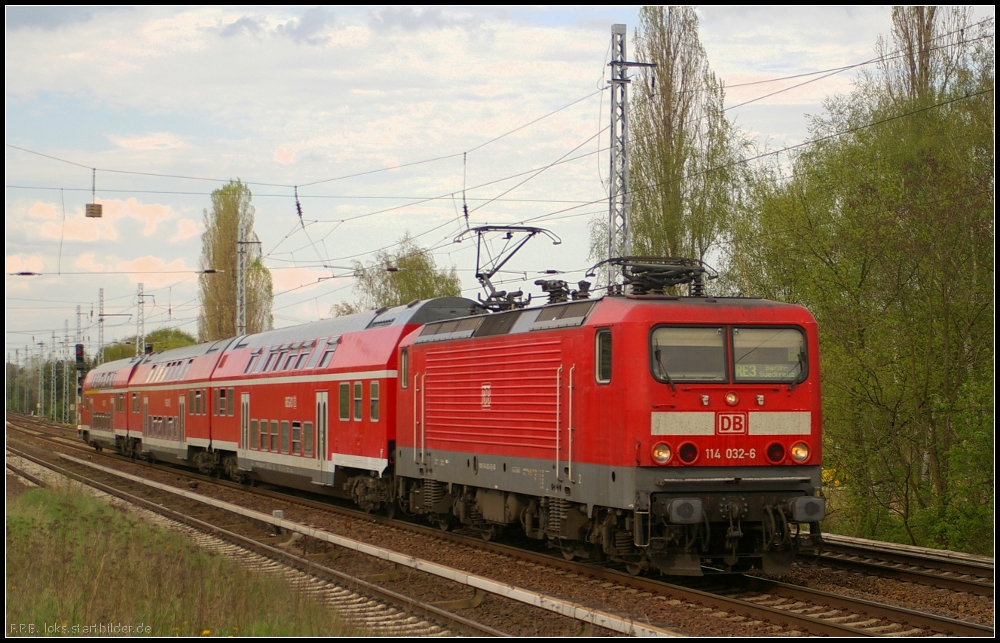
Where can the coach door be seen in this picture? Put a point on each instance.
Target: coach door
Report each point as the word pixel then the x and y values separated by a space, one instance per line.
pixel 244 429
pixel 322 432
pixel 181 403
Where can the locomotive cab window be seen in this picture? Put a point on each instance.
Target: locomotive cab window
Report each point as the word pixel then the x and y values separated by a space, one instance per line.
pixel 769 355
pixel 602 360
pixel 688 354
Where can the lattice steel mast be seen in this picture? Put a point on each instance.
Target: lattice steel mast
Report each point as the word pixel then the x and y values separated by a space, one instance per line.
pixel 619 236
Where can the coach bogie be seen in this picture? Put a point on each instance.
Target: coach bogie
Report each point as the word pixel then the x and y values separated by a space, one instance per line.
pixel 230 466
pixel 207 462
pixel 369 492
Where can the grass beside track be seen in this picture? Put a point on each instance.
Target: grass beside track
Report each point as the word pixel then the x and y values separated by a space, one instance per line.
pixel 77 566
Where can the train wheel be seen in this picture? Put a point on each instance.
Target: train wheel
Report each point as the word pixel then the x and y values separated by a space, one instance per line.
pixel 568 554
pixel 633 568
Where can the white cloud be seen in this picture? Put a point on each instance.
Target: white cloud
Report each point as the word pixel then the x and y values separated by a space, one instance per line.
pixel 43 211
pixel 23 263
pixel 150 270
pixel 152 141
pixel 186 228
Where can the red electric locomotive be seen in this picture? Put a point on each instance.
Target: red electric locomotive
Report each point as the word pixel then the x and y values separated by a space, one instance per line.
pixel 658 431
pixel 648 429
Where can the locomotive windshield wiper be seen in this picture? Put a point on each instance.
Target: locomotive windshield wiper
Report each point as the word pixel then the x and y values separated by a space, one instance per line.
pixel 663 369
pixel 801 366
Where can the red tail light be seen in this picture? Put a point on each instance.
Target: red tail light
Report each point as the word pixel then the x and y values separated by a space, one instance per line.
pixel 688 453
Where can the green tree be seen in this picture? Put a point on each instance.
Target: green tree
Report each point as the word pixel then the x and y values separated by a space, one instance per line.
pixel 684 153
pixel 399 277
pixel 886 233
pixel 162 339
pixel 232 210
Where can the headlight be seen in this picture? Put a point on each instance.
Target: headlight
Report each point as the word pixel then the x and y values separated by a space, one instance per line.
pixel 775 452
pixel 661 453
pixel 800 452
pixel 732 399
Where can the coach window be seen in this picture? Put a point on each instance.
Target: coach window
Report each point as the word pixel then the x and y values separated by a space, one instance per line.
pixel 358 391
pixel 135 402
pixel 278 361
pixel 315 350
pixel 307 438
pixel 289 361
pixel 296 438
pixel 284 436
pixel 302 359
pixel 404 365
pixel 232 402
pixel 327 356
pixel 263 436
pixel 345 401
pixel 219 400
pixel 190 404
pixel 602 360
pixel 373 401
pixel 254 435
pixel 274 435
pixel 252 362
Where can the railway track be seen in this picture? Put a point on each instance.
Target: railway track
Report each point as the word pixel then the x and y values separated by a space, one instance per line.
pixel 944 569
pixel 589 620
pixel 795 609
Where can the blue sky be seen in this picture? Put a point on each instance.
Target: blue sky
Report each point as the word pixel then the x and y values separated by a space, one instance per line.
pixel 291 96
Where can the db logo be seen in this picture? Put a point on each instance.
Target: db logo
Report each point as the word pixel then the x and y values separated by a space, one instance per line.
pixel 730 423
pixel 487 395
